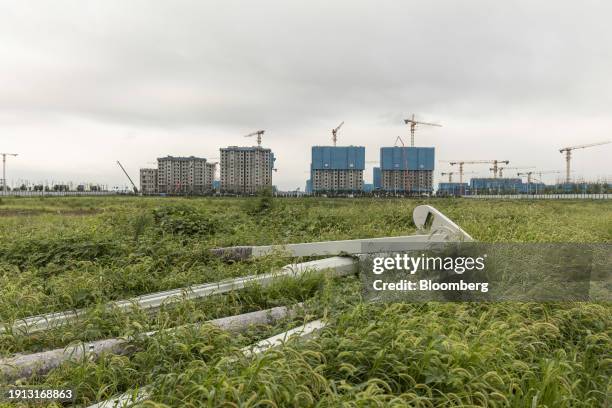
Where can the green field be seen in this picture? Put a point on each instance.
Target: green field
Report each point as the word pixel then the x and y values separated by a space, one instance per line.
pixel 61 254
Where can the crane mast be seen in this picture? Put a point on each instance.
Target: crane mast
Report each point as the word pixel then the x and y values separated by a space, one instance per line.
pixel 501 169
pixel 568 156
pixel 530 174
pixel 128 176
pixel 257 133
pixel 460 163
pixel 495 167
pixel 4 169
pixel 539 173
pixel 412 122
pixel 449 174
pixel 335 131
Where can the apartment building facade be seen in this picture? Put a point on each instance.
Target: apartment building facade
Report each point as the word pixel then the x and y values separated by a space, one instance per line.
pixel 148 181
pixel 246 170
pixel 184 175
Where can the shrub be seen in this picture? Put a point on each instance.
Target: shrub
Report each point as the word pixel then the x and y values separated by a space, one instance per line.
pixel 184 220
pixel 263 204
pixel 139 224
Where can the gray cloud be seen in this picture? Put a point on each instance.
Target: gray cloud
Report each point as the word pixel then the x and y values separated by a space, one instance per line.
pixel 297 68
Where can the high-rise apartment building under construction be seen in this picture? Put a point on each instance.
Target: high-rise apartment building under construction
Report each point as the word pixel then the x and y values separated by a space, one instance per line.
pixel 407 170
pixel 246 170
pixel 337 169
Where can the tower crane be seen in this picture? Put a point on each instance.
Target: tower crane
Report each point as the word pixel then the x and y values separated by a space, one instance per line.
pixel 128 176
pixel 462 162
pixel 530 174
pixel 501 169
pixel 451 173
pixel 568 155
pixel 215 164
pixel 257 133
pixel 539 173
pixel 413 124
pixel 495 168
pixel 335 131
pixel 4 169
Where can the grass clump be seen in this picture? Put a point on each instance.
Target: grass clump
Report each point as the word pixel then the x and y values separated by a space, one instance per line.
pixel 262 205
pixel 184 220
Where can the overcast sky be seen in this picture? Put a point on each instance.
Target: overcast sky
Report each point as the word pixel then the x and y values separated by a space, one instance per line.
pixel 84 83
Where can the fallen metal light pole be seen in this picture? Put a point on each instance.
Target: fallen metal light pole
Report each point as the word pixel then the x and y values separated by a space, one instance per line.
pixel 436 228
pixel 340 265
pixel 24 366
pixel 304 331
pixel 136 396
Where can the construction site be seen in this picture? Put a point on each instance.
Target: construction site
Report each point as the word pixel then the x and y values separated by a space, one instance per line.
pixel 335 170
pixel 401 170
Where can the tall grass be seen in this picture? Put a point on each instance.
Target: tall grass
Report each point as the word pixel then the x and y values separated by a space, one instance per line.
pixel 66 253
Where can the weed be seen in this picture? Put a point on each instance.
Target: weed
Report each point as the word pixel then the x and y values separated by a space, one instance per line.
pixel 184 220
pixel 263 204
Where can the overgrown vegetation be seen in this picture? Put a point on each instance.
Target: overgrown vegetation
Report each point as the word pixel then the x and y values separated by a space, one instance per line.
pixel 66 253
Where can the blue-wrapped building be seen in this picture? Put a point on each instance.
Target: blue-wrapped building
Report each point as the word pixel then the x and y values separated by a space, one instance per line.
pixel 496 185
pixel 337 169
pixel 377 178
pixel 407 170
pixel 453 189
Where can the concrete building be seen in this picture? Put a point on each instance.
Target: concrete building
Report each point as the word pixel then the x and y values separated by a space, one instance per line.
pixel 148 181
pixel 184 175
pixel 496 185
pixel 377 178
pixel 453 189
pixel 337 169
pixel 533 188
pixel 246 170
pixel 407 170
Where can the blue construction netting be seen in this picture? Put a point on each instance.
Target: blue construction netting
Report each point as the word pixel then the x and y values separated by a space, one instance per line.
pixel 338 158
pixel 377 177
pixel 496 184
pixel 407 158
pixel 453 188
